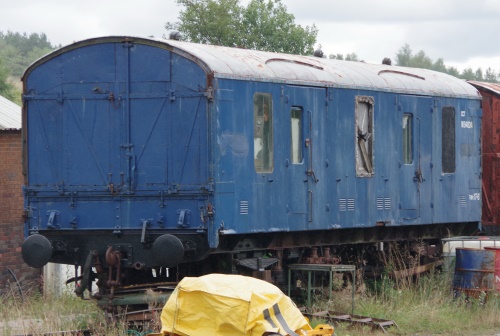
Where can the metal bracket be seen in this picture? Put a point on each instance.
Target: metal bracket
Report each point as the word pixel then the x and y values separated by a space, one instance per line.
pixel 52 221
pixel 183 220
pixel 145 224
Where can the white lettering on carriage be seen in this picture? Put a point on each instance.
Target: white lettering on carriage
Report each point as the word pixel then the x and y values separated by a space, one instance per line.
pixel 467 124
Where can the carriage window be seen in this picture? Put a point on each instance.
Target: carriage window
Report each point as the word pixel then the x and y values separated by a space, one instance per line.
pixel 263 133
pixel 296 134
pixel 448 139
pixel 364 136
pixel 407 138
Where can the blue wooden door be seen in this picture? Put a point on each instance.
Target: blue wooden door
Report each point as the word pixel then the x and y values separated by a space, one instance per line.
pixel 305 110
pixel 415 158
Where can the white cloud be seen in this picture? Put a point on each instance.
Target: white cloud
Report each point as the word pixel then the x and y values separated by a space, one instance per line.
pixel 462 32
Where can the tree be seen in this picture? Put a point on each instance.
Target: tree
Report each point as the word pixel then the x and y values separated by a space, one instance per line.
pixel 478 75
pixel 268 26
pixel 453 71
pixel 439 65
pixel 25 43
pixel 347 57
pixel 262 25
pixel 404 55
pixel 467 74
pixel 337 56
pixel 209 21
pixel 7 89
pixel 406 58
pixel 18 51
pixel 352 57
pixel 490 75
pixel 421 60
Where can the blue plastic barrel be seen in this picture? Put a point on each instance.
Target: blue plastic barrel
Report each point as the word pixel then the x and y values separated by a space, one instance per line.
pixel 474 272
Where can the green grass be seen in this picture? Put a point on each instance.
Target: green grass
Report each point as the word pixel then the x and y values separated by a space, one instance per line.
pixel 423 306
pixel 35 314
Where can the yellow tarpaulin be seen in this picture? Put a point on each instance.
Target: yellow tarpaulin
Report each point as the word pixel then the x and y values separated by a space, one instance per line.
pixel 230 305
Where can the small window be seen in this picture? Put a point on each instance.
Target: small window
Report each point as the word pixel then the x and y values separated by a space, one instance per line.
pixel 296 134
pixel 263 133
pixel 448 139
pixel 364 136
pixel 407 138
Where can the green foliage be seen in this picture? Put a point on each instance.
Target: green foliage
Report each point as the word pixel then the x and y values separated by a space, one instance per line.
pixel 336 56
pixel 347 57
pixel 424 305
pixel 18 50
pixel 467 74
pixel 209 22
pixel 44 314
pixel 262 25
pixel 405 57
pixel 429 305
pixel 38 314
pixel 268 26
pixel 7 89
pixel 351 57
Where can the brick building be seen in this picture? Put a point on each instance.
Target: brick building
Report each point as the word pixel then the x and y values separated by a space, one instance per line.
pixel 13 270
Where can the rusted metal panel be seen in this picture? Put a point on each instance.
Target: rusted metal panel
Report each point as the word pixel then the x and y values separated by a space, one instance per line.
pixel 484 86
pixel 372 322
pixel 490 135
pixel 474 272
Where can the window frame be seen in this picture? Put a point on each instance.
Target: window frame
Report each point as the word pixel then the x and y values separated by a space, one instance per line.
pixel 364 156
pixel 448 140
pixel 407 138
pixel 296 135
pixel 263 132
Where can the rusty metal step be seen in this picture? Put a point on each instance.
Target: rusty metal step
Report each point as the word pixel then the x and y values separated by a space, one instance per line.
pixel 332 317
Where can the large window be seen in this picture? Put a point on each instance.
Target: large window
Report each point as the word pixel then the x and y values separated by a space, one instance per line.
pixel 363 129
pixel 407 138
pixel 296 134
pixel 448 139
pixel 263 133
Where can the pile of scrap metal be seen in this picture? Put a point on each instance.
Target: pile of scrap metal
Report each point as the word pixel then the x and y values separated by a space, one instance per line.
pixel 229 305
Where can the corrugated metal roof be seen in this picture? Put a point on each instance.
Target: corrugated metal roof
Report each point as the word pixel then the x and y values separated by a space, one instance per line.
pixel 244 64
pixel 10 114
pixel 493 87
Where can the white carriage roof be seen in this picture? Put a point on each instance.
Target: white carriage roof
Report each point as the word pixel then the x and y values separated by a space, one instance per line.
pixel 244 64
pixel 238 63
pixel 10 114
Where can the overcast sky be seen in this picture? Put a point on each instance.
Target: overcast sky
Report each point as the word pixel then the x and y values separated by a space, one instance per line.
pixel 462 32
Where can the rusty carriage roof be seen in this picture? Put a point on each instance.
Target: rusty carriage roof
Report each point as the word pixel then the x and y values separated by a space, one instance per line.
pixel 254 65
pixel 490 87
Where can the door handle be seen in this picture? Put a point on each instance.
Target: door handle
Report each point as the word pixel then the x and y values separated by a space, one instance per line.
pixel 418 176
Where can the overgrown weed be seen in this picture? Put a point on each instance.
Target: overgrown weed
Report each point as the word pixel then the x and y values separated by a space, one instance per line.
pixel 35 314
pixel 419 304
pixel 422 304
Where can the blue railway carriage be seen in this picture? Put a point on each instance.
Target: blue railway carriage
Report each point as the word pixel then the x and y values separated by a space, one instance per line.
pixel 144 154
